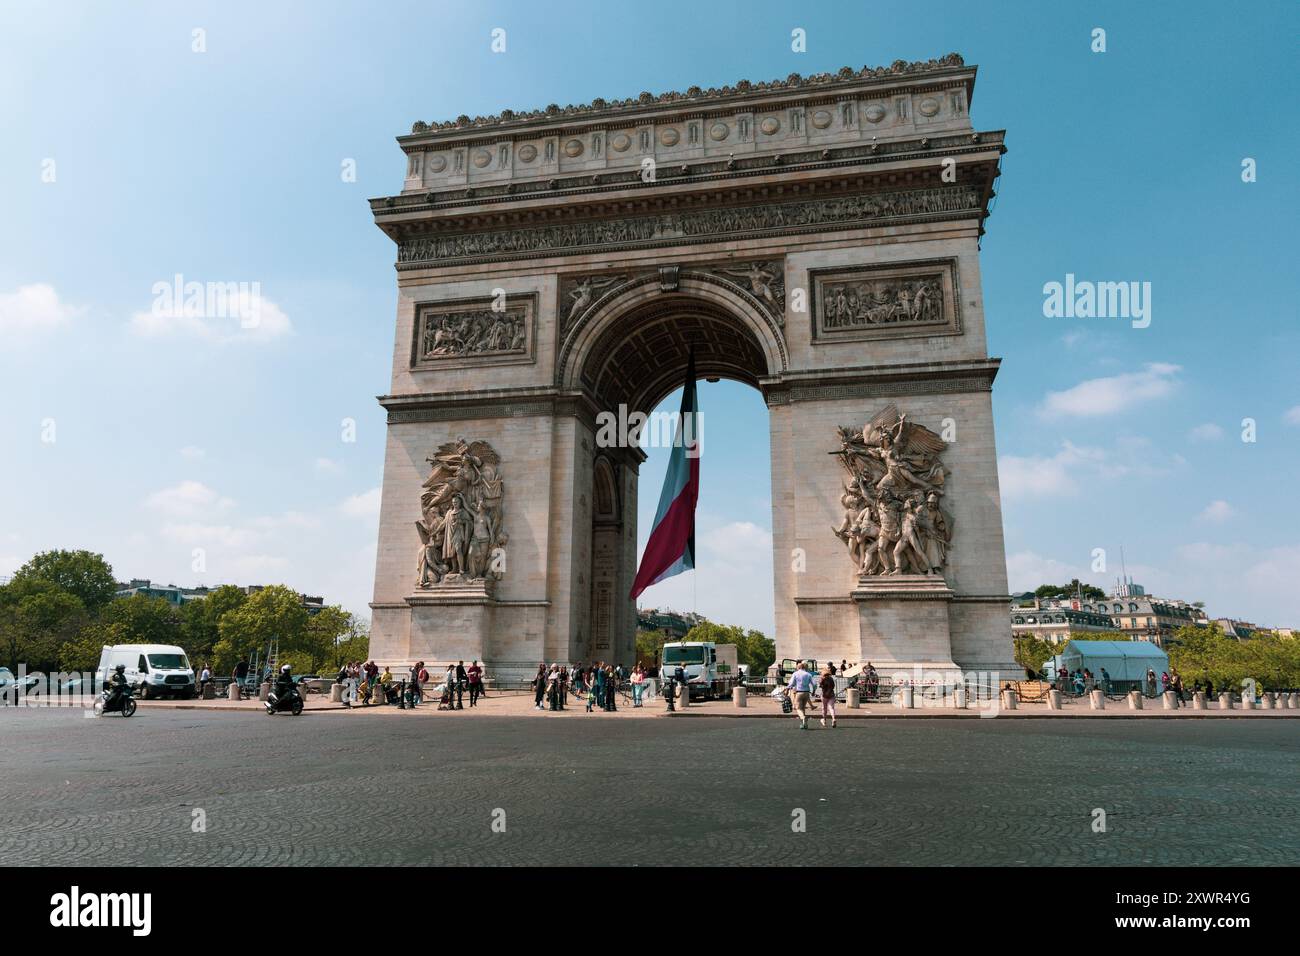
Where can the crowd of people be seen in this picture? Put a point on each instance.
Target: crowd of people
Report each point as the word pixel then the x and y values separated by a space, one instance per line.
pixel 1082 681
pixel 596 684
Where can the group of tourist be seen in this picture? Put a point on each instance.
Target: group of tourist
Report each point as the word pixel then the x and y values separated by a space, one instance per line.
pixel 1082 681
pixel 597 684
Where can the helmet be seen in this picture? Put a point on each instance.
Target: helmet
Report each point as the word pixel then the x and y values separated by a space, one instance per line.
pixel 120 668
pixel 284 669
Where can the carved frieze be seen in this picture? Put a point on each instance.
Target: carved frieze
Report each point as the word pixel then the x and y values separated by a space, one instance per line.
pixel 481 331
pixel 915 298
pixel 676 228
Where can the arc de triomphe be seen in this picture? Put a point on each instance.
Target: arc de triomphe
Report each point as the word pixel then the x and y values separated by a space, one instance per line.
pixel 816 238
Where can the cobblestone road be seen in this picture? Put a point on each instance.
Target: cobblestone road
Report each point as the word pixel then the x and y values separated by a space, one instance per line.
pixel 284 790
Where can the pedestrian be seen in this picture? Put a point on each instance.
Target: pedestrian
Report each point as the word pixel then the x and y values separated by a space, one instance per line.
pixel 539 686
pixel 1209 689
pixel 205 678
pixel 461 680
pixel 341 678
pixel 449 687
pixel 475 677
pixel 638 684
pixel 801 683
pixel 827 687
pixel 1105 681
pixel 1151 683
pixel 419 677
pixel 598 688
pixel 844 665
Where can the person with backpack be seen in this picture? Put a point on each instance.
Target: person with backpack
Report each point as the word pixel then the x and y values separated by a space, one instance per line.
pixel 475 676
pixel 801 684
pixel 827 687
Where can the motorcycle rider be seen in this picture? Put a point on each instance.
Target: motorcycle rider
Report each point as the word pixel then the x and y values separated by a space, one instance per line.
pixel 116 687
pixel 284 687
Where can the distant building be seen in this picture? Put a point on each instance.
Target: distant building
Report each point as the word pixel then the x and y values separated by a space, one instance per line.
pixel 1241 630
pixel 1146 618
pixel 675 624
pixel 1054 620
pixel 176 595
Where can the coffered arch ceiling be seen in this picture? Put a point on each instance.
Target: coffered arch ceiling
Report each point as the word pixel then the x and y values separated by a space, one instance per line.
pixel 641 356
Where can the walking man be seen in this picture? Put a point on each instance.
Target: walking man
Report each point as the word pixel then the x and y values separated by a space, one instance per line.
pixel 461 680
pixel 801 683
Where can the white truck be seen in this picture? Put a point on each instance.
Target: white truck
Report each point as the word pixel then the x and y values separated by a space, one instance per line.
pixel 152 670
pixel 712 670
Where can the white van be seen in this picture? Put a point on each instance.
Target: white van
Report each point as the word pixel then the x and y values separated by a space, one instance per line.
pixel 152 670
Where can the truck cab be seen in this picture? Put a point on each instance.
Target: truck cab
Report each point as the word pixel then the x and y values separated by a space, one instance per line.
pixel 712 669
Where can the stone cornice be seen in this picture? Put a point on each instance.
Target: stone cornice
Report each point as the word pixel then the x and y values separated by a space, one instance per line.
pixel 711 171
pixel 696 100
pixel 919 378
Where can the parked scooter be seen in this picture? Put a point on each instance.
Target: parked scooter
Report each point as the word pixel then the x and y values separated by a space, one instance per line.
pixel 291 701
pixel 123 703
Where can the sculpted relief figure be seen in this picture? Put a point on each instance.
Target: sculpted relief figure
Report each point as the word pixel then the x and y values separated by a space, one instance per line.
pixel 460 526
pixel 767 285
pixel 893 519
pixel 865 303
pixel 584 293
pixel 473 332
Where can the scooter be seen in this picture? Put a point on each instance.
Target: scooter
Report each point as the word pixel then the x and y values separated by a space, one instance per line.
pixel 123 704
pixel 291 702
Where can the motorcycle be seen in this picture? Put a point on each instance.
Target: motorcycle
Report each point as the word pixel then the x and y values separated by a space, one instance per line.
pixel 292 702
pixel 123 704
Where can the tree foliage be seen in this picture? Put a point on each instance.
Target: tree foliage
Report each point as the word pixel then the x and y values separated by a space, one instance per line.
pixel 1075 587
pixel 81 573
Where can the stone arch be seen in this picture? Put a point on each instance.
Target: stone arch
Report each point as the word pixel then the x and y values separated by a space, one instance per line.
pixel 631 345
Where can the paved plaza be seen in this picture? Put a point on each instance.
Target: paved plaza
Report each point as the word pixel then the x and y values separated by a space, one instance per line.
pixel 394 787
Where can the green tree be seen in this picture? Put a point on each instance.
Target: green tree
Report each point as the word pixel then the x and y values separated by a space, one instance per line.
pixel 144 620
pixel 649 644
pixel 36 618
pixel 201 620
pixel 1075 587
pixel 81 573
pixel 331 637
pixel 753 649
pixel 273 613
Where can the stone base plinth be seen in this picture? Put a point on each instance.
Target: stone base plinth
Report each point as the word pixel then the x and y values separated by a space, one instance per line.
pixel 903 622
pixel 452 621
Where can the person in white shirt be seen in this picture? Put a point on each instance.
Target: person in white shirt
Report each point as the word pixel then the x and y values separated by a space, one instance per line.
pixel 801 684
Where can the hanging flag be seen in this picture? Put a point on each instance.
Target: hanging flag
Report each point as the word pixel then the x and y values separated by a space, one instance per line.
pixel 671 548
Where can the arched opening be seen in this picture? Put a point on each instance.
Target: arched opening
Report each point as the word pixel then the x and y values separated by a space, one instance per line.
pixel 631 356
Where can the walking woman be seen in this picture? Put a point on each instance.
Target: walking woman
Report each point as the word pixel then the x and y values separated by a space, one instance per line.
pixel 597 689
pixel 539 686
pixel 611 689
pixel 638 684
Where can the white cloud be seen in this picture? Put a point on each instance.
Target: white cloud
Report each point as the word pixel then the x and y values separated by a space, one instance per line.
pixel 1206 432
pixel 187 498
pixel 245 316
pixel 1112 394
pixel 327 465
pixel 192 452
pixel 207 536
pixel 1036 476
pixel 34 308
pixel 364 505
pixel 1292 415
pixel 1217 511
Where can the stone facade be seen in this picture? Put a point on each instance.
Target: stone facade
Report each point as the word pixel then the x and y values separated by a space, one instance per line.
pixel 545 278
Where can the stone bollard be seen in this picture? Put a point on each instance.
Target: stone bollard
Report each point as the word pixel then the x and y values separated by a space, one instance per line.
pixel 1295 701
pixel 738 696
pixel 683 696
pixel 1225 701
pixel 852 698
pixel 1247 701
pixel 959 696
pixel 336 693
pixel 1010 700
pixel 1054 699
pixel 232 692
pixel 1170 700
pixel 1198 700
pixel 1266 701
pixel 1283 701
pixel 264 691
pixel 1097 699
pixel 1135 700
pixel 906 697
pixel 209 692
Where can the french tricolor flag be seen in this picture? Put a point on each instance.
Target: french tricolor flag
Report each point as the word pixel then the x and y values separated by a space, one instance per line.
pixel 671 548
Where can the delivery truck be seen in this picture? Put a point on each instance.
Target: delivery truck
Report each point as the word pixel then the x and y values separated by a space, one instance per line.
pixel 712 670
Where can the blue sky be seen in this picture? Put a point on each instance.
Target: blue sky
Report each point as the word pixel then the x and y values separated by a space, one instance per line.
pixel 226 165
